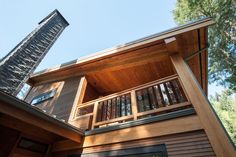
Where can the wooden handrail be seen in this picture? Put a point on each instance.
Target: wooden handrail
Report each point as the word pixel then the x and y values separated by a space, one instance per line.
pixel 114 120
pixel 162 109
pixel 82 116
pixel 134 101
pixel 86 104
pixel 129 90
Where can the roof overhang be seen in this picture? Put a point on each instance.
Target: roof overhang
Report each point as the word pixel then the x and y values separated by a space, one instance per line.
pixel 54 73
pixel 12 106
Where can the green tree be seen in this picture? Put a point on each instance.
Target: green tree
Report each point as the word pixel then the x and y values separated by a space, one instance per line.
pixel 225 107
pixel 222 36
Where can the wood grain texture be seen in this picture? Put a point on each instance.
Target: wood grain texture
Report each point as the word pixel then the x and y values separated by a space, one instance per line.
pixel 39 122
pixel 78 97
pixel 137 56
pixel 62 103
pixel 110 53
pixel 188 144
pixel 177 125
pixel 134 104
pixel 65 145
pixel 28 130
pixel 111 81
pixel 187 45
pixel 90 93
pixel 214 129
pixel 83 122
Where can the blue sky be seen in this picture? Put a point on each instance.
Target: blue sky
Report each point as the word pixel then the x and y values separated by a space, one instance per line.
pixel 94 24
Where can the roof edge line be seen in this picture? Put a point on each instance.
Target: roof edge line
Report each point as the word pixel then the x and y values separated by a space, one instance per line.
pixel 128 45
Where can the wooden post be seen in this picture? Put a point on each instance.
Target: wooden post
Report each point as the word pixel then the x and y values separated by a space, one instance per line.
pixel 95 112
pixel 134 104
pixel 211 124
pixel 79 97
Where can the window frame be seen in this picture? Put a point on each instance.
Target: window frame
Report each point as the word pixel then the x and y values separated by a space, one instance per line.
pixel 44 97
pixel 31 143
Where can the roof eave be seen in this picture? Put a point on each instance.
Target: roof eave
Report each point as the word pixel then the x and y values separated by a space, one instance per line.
pixel 120 48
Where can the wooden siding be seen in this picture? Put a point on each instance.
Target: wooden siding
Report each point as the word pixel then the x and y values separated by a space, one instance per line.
pixel 90 93
pixel 173 126
pixel 189 144
pixel 61 104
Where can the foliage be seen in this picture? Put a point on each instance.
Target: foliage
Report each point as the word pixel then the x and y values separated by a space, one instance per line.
pixel 225 107
pixel 222 36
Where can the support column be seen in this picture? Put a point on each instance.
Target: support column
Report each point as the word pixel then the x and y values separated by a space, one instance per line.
pixel 211 124
pixel 79 97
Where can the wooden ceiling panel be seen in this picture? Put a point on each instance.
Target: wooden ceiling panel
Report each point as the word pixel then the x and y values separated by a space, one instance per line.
pixel 107 81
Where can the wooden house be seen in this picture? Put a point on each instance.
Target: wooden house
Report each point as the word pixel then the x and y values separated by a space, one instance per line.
pixel 144 98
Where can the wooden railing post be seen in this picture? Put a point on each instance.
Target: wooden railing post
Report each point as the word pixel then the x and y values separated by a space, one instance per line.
pixel 78 98
pixel 134 104
pixel 95 112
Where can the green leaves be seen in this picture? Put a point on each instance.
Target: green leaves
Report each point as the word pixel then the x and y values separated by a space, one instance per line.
pixel 222 36
pixel 225 107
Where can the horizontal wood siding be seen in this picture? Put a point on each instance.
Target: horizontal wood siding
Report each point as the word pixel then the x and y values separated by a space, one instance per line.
pixel 189 144
pixel 61 104
pixel 193 144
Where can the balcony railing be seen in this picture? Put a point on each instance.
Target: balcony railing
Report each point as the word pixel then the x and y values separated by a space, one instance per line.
pixel 154 98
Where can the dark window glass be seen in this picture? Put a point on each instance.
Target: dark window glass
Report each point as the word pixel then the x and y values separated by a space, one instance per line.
pixel 43 97
pixel 144 155
pixel 33 146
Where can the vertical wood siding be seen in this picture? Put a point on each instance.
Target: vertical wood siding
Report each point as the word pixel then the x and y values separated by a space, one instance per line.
pixel 61 104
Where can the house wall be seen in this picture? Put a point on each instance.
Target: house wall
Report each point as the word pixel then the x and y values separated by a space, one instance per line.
pixel 62 102
pixel 193 143
pixel 90 93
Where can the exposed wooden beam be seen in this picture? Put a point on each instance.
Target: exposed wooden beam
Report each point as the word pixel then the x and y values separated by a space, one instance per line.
pixel 196 53
pixel 27 117
pixel 208 118
pixel 79 97
pixel 27 129
pixel 172 45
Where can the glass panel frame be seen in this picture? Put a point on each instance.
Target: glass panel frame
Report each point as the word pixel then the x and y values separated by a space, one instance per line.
pixel 43 97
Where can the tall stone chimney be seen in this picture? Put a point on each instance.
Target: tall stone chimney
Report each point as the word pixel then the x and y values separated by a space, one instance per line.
pixel 18 64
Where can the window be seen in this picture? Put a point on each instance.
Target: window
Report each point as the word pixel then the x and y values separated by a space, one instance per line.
pixel 43 97
pixel 144 155
pixel 33 146
pixel 24 91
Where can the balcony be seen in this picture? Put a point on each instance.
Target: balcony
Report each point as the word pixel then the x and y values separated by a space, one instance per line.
pixel 155 98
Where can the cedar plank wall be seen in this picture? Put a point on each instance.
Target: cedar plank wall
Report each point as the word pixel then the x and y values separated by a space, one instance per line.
pixel 189 144
pixel 90 93
pixel 62 102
